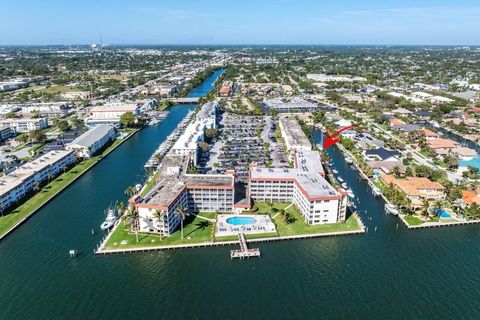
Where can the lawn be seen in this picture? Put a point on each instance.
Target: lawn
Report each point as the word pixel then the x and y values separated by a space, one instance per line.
pixel 196 230
pixel 50 190
pixel 150 183
pixel 298 227
pixel 57 89
pixel 413 220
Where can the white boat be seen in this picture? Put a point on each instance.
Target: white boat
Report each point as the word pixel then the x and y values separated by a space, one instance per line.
pixel 340 179
pixel 376 191
pixel 109 220
pixel 348 160
pixel 390 208
pixel 334 171
pixel 344 185
pixel 351 194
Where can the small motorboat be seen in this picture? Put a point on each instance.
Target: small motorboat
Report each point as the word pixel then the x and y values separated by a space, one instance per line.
pixel 344 185
pixel 376 191
pixel 109 220
pixel 340 179
pixel 348 160
pixel 351 194
pixel 390 208
pixel 334 171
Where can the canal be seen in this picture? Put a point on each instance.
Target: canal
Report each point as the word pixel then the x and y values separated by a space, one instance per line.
pixel 389 273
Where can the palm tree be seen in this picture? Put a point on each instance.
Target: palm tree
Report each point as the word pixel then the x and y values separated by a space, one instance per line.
pixel 181 212
pixel 425 208
pixel 130 191
pixel 158 214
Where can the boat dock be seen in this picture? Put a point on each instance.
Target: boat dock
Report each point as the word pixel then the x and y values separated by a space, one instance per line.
pixel 244 252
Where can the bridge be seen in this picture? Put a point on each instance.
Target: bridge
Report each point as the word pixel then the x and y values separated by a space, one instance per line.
pixel 184 100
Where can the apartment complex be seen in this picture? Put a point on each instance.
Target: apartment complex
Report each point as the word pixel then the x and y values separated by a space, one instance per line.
pixel 18 183
pixel 158 209
pixel 295 138
pixel 304 185
pixel 87 144
pixel 110 113
pixel 24 124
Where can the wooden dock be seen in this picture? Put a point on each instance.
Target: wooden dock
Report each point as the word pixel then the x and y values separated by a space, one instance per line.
pixel 244 252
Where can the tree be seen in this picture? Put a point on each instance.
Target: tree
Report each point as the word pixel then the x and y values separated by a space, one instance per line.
pixel 22 138
pixel 77 123
pixel 203 146
pixel 181 212
pixel 63 125
pixel 425 208
pixel 159 214
pixel 128 119
pixel 396 171
pixel 36 136
pixel 211 133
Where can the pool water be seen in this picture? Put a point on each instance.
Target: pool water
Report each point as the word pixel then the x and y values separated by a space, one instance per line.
pixel 475 162
pixel 241 220
pixel 442 213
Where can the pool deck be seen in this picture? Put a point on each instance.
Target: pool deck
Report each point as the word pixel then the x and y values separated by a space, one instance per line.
pixel 263 224
pixel 436 224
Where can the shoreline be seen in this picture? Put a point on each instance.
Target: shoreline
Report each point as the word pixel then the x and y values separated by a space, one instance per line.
pixel 101 250
pixel 41 205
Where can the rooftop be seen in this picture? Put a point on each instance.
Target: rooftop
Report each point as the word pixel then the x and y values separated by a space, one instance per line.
pixel 93 135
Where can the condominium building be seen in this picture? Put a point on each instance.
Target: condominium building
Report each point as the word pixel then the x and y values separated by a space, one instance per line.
pixel 76 95
pixel 49 109
pixel 87 144
pixel 295 138
pixel 24 124
pixel 290 105
pixel 6 133
pixel 18 183
pixel 304 185
pixel 158 208
pixel 110 113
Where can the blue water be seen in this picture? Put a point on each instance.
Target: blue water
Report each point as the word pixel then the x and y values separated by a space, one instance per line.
pixel 475 162
pixel 241 220
pixel 442 213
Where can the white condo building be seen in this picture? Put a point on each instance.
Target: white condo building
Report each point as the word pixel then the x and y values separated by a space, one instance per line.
pixel 24 124
pixel 18 183
pixel 87 144
pixel 295 138
pixel 110 113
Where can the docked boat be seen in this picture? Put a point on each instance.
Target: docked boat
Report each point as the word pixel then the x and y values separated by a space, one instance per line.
pixel 351 194
pixel 344 185
pixel 376 191
pixel 109 220
pixel 390 208
pixel 340 179
pixel 334 171
pixel 348 160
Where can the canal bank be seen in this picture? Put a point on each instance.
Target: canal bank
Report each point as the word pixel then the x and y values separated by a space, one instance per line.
pixel 10 222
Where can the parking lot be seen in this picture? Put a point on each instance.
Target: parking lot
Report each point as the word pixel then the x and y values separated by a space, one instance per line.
pixel 241 142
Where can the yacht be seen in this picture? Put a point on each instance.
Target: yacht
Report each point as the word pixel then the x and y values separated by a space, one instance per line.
pixel 109 220
pixel 376 191
pixel 390 208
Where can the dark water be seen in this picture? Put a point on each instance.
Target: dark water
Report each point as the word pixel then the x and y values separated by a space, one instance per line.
pixel 384 274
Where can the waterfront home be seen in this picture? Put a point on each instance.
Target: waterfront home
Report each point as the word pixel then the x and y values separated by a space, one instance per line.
pixel 349 134
pixel 381 167
pixel 397 123
pixel 441 143
pixel 429 134
pixel 26 178
pixel 381 154
pixel 304 185
pixel 366 141
pixel 463 153
pixel 87 144
pixel 416 189
pixel 20 125
pixel 470 197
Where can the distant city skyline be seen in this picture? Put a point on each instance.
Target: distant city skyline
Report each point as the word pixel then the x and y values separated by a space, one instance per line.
pixel 189 22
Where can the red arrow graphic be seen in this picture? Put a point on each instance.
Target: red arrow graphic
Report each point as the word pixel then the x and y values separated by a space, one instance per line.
pixel 330 140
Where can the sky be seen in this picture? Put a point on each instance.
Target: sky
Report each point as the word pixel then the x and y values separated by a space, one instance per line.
pixel 330 22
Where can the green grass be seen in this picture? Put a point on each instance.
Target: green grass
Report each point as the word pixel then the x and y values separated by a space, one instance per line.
pixel 57 89
pixel 50 190
pixel 150 183
pixel 196 230
pixel 413 220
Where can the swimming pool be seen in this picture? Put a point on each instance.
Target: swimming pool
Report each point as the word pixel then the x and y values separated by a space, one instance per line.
pixel 443 214
pixel 475 162
pixel 241 220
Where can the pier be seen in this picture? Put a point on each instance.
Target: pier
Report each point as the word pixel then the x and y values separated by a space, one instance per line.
pixel 186 100
pixel 244 252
